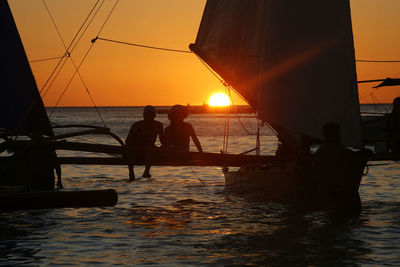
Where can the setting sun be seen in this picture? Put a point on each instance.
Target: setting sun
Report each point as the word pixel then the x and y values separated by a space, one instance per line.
pixel 219 99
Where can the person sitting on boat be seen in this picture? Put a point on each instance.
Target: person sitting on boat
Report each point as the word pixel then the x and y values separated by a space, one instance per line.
pixel 332 161
pixel 143 134
pixel 394 127
pixel 179 132
pixel 43 161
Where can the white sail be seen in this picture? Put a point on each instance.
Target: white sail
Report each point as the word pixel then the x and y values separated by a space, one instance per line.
pixel 21 108
pixel 293 61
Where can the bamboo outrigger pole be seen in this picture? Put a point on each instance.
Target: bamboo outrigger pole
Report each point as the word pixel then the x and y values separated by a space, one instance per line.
pixel 161 157
pixel 174 159
pixel 155 157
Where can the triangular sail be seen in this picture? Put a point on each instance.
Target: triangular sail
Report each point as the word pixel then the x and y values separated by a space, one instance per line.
pixel 21 108
pixel 293 61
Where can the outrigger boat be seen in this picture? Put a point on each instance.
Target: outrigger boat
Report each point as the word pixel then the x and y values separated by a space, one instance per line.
pixel 26 173
pixel 309 51
pixel 294 63
pixel 28 157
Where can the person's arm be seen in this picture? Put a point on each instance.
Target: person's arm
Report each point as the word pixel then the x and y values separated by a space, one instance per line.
pixel 134 134
pixel 161 135
pixel 195 139
pixel 130 136
pixel 57 168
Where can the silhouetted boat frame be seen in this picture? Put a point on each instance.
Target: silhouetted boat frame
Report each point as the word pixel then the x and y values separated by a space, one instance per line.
pixel 159 157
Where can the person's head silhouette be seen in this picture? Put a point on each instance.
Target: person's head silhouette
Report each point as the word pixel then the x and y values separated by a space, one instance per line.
pixel 178 113
pixel 149 113
pixel 396 104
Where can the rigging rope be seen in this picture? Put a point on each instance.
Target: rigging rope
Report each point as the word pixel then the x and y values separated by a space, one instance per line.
pixel 375 100
pixel 226 127
pixel 240 121
pixel 83 59
pixel 19 127
pixel 191 52
pixel 142 45
pixel 87 26
pixel 230 96
pixel 195 175
pixel 212 72
pixel 73 62
pixel 45 59
pixel 55 77
pixel 66 52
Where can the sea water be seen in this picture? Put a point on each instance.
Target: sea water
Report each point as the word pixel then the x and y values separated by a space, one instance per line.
pixel 185 216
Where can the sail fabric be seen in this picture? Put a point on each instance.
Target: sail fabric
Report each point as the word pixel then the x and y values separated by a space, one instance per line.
pixel 21 107
pixel 230 40
pixel 293 61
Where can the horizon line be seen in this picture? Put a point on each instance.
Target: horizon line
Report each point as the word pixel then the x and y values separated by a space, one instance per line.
pixel 132 106
pixel 174 104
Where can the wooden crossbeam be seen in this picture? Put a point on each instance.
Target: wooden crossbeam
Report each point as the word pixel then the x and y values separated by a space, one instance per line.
pixel 87 147
pixel 155 157
pixel 167 158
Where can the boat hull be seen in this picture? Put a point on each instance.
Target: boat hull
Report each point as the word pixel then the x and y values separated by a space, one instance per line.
pixel 298 184
pixel 58 199
pixel 283 185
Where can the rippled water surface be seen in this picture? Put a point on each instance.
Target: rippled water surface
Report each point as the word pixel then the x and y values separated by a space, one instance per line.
pixel 184 215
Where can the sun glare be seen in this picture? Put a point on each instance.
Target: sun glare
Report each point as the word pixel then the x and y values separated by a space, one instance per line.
pixel 219 99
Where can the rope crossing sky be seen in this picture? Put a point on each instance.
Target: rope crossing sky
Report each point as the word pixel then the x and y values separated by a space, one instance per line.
pixel 142 45
pixel 68 53
pixel 191 52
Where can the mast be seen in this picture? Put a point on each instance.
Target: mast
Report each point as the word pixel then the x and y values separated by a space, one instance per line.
pixel 21 107
pixel 293 61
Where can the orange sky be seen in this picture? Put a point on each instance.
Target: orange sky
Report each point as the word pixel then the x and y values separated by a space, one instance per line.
pixel 118 75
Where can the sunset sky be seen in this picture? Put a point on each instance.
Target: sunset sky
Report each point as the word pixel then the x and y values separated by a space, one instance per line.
pixel 120 75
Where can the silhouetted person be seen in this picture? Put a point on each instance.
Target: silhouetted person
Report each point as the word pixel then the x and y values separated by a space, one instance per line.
pixel 334 166
pixel 179 132
pixel 32 165
pixel 143 134
pixel 43 162
pixel 394 127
